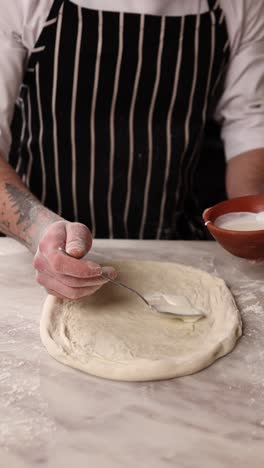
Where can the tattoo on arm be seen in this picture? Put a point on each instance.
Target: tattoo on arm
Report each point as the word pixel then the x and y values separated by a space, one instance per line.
pixel 24 205
pixel 25 218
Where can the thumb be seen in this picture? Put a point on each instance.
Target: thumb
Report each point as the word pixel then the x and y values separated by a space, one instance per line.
pixel 78 240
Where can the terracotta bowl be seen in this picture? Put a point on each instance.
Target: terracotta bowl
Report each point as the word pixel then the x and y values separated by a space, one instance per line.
pixel 245 244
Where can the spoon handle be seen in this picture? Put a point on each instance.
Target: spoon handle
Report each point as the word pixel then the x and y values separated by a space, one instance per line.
pixel 118 283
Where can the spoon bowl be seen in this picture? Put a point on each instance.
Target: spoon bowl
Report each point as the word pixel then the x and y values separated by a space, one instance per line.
pixel 178 308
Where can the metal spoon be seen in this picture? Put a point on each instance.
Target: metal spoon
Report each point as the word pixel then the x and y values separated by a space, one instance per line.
pixel 168 308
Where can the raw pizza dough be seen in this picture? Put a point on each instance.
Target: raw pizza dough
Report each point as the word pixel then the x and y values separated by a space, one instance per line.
pixel 114 335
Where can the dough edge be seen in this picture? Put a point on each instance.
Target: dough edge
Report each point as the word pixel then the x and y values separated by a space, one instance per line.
pixel 143 370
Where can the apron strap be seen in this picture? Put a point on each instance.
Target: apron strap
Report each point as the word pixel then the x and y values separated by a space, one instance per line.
pixel 213 4
pixel 55 9
pixel 53 15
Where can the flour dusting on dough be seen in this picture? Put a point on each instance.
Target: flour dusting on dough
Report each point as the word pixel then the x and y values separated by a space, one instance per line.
pixel 114 335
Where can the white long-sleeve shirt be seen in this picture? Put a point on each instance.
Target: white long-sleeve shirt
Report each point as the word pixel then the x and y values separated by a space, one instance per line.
pixel 241 107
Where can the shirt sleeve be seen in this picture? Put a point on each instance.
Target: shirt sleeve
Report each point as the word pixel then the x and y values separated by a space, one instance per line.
pixel 12 58
pixel 241 107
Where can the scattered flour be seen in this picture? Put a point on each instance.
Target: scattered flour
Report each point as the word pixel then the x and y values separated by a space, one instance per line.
pixel 24 413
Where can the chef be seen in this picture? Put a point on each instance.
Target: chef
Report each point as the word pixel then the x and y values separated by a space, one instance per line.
pixel 103 106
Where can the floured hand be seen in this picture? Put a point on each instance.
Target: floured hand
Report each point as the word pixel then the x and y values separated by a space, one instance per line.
pixel 68 276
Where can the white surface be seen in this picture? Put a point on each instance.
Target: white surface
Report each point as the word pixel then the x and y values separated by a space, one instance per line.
pixel 52 416
pixel 241 109
pixel 241 221
pixel 115 335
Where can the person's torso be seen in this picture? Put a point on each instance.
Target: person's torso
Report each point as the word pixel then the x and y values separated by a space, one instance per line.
pixel 111 116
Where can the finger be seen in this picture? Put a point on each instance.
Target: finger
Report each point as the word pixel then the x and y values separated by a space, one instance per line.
pixel 78 240
pixel 42 265
pixel 53 238
pixel 71 281
pixel 109 271
pixel 83 282
pixel 63 290
pixel 66 265
pixel 60 232
pixel 54 293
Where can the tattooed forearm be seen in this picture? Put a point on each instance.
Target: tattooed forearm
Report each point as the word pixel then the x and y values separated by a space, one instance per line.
pixel 24 205
pixel 23 217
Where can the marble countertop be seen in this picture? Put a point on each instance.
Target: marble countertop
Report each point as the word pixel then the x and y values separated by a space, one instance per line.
pixel 53 416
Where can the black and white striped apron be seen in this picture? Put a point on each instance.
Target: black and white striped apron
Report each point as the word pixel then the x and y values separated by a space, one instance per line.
pixel 111 114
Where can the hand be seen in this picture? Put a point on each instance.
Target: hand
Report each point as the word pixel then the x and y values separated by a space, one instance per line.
pixel 68 276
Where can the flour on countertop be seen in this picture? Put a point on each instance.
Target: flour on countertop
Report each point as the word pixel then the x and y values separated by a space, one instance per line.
pixel 32 412
pixel 24 412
